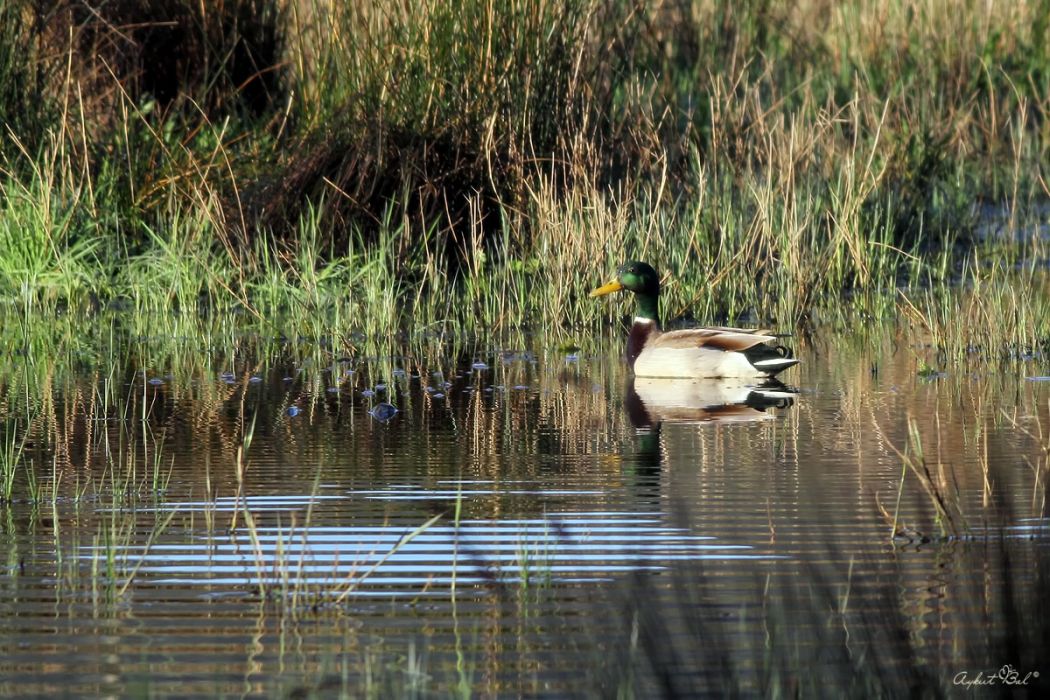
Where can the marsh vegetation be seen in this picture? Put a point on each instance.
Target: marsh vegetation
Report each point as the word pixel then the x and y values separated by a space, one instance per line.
pixel 402 163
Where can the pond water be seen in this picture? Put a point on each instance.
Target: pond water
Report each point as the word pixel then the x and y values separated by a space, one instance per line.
pixel 259 522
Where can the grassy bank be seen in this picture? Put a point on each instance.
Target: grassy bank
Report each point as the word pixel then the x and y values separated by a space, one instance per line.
pixel 490 163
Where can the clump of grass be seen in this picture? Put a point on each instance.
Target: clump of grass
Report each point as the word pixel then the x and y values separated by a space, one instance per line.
pixel 1040 467
pixel 1001 314
pixel 440 111
pixel 938 483
pixel 494 160
pixel 11 450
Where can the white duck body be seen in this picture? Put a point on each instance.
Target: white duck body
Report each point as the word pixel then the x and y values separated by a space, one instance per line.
pixel 703 352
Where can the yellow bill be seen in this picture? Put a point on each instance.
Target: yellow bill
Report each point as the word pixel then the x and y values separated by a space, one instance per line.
pixel 609 288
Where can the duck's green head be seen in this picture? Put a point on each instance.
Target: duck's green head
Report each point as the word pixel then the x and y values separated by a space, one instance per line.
pixel 640 278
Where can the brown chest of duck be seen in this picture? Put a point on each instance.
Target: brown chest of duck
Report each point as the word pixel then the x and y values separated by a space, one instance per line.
pixel 709 352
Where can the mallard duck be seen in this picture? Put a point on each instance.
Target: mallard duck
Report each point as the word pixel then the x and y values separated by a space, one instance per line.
pixel 695 352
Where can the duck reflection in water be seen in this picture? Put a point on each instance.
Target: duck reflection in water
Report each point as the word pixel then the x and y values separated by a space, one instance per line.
pixel 650 402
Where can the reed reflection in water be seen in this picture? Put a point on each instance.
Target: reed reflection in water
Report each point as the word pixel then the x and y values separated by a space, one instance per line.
pixel 543 527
